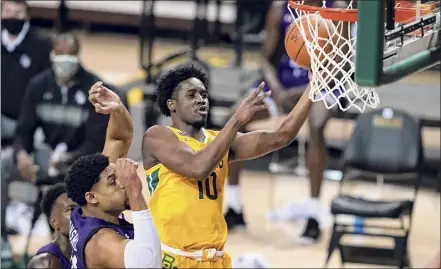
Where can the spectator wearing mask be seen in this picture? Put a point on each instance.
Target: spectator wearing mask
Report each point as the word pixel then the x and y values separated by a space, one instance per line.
pixel 56 101
pixel 25 53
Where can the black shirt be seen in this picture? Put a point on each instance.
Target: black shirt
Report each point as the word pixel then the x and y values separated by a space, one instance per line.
pixel 29 58
pixel 64 114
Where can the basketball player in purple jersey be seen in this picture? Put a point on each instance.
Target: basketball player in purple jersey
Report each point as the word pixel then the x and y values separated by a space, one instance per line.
pixel 286 81
pixel 104 185
pixel 57 207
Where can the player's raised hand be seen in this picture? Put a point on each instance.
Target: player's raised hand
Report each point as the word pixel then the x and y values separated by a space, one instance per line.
pixel 251 105
pixel 103 99
pixel 127 175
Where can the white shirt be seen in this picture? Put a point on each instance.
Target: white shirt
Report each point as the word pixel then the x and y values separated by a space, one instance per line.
pixel 11 45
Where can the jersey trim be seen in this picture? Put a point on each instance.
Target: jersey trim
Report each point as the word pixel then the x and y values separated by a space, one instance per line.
pixel 152 179
pixel 178 132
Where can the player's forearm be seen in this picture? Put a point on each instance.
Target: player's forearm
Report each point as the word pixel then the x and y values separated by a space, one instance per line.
pixel 290 127
pixel 205 160
pixel 120 126
pixel 144 251
pixel 136 200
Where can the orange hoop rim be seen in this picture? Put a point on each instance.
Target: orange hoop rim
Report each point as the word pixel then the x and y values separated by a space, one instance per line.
pixel 404 11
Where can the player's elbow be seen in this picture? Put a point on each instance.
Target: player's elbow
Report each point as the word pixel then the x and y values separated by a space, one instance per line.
pixel 198 171
pixel 284 138
pixel 199 168
pixel 125 135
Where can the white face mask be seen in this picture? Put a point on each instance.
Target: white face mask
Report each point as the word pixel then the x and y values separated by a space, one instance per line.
pixel 65 66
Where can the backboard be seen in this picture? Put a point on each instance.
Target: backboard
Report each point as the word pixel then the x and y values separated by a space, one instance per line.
pixel 391 45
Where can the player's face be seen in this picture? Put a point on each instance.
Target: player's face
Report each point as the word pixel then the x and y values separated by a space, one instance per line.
pixel 192 102
pixel 61 214
pixel 108 194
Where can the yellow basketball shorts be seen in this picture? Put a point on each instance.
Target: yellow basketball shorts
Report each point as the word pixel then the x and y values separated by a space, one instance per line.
pixel 170 260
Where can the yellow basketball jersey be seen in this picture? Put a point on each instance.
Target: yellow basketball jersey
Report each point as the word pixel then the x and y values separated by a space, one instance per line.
pixel 188 213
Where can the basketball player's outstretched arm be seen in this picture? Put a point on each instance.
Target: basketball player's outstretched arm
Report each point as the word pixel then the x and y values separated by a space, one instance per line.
pixel 258 143
pixel 163 146
pixel 120 127
pixel 108 249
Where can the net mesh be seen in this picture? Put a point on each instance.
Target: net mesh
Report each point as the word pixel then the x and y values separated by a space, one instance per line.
pixel 332 80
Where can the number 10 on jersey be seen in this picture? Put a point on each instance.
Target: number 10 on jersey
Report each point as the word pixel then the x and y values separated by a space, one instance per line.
pixel 207 188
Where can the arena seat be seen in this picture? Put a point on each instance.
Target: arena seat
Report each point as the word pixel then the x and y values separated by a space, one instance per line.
pixel 388 144
pixel 348 205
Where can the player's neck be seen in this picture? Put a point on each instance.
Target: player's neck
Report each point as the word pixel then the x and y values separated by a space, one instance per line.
pixel 96 213
pixel 63 243
pixel 195 132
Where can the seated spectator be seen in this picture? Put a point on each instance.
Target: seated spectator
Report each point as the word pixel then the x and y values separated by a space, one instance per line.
pixel 57 101
pixel 57 207
pixel 25 53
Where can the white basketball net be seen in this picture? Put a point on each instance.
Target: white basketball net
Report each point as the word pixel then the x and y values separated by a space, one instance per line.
pixel 332 73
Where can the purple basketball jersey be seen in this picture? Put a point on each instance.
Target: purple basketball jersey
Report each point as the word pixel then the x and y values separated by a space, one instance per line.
pixel 53 249
pixel 81 229
pixel 290 75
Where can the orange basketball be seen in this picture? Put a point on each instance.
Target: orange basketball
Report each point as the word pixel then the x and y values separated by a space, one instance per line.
pixel 295 44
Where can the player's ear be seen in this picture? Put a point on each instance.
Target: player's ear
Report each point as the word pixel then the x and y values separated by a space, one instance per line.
pixel 91 198
pixel 171 105
pixel 54 223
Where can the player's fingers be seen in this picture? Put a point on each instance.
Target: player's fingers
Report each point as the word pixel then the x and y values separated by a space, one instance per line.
pixel 127 163
pixel 117 165
pixel 98 107
pixel 96 87
pixel 134 168
pixel 261 97
pixel 261 107
pixel 93 97
pixel 257 91
pixel 133 164
pixel 122 165
pixel 104 88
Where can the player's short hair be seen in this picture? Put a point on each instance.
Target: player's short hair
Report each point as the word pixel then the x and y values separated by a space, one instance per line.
pixel 83 174
pixel 169 82
pixel 52 194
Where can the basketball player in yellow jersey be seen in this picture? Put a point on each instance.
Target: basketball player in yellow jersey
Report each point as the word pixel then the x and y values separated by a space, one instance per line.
pixel 186 166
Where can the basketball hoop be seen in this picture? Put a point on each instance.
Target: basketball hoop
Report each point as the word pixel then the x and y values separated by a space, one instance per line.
pixel 333 73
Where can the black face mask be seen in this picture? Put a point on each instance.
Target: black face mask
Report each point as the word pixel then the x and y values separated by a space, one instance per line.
pixel 13 25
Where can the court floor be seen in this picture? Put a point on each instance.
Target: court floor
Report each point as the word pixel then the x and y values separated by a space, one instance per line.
pixel 115 59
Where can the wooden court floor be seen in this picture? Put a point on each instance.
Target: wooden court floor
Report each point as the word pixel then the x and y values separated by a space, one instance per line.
pixel 115 58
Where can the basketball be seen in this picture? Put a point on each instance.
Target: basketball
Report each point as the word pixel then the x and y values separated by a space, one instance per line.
pixel 295 44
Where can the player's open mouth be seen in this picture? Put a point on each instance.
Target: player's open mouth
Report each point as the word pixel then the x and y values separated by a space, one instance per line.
pixel 202 110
